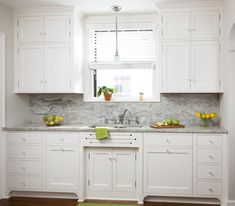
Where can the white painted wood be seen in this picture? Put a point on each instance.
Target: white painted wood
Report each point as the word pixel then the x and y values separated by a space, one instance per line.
pixel 205 25
pixel 209 171
pixel 168 171
pixel 210 155
pixel 24 167
pixel 124 170
pixel 155 139
pixel 24 138
pixel 99 171
pixel 30 68
pixel 205 65
pixel 57 68
pixel 62 168
pixel 62 138
pixel 24 182
pixel 209 188
pixel 24 152
pixel 30 29
pixel 209 140
pixel 2 80
pixel 176 25
pixel 176 66
pixel 57 28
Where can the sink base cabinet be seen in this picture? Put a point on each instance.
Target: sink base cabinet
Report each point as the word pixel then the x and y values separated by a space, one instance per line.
pixel 127 166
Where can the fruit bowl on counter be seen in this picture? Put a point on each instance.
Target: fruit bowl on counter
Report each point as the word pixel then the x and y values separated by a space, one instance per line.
pixel 53 120
pixel 167 123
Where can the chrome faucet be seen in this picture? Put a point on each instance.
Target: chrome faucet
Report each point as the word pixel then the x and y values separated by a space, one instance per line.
pixel 122 116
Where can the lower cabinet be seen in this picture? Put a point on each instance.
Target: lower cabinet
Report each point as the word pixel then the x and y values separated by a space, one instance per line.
pixel 110 171
pixel 168 170
pixel 62 168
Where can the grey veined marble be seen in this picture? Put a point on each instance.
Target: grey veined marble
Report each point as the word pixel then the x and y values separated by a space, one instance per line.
pixel 175 106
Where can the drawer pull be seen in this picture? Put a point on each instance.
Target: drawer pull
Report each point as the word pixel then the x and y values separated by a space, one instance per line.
pixel 211 173
pixel 211 190
pixel 211 157
pixel 90 134
pixel 168 141
pixel 23 139
pixel 211 142
pixel 24 153
pixel 24 169
pixel 168 151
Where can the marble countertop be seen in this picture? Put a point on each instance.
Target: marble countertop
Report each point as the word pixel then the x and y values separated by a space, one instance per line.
pixel 86 128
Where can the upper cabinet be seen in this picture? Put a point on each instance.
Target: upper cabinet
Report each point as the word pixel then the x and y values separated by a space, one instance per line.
pixel 46 51
pixel 191 51
pixel 44 28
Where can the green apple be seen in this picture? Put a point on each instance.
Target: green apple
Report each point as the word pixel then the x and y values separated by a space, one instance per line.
pixel 175 122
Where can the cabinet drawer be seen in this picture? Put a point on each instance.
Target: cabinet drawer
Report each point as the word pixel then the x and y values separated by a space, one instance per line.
pixel 168 139
pixel 209 188
pixel 24 167
pixel 62 138
pixel 209 140
pixel 209 155
pixel 25 152
pixel 24 138
pixel 24 182
pixel 209 171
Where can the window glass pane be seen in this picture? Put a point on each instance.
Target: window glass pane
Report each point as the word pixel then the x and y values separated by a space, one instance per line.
pixel 128 83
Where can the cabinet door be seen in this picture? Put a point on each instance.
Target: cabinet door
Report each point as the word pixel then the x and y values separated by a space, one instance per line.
pixel 168 171
pixel 57 28
pixel 30 29
pixel 30 68
pixel 176 25
pixel 176 67
pixel 205 25
pixel 124 170
pixel 205 66
pixel 61 168
pixel 57 68
pixel 99 170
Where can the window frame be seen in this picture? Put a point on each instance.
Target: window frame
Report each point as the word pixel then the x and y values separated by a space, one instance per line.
pixel 88 74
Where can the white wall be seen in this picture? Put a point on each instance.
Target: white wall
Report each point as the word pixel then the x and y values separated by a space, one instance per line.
pixel 228 99
pixel 17 109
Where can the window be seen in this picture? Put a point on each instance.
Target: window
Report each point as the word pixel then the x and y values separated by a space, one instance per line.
pixel 135 74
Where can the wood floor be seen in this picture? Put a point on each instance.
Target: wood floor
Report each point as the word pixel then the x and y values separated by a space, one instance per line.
pixel 22 201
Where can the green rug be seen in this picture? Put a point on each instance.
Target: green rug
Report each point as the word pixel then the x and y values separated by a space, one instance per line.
pixel 105 204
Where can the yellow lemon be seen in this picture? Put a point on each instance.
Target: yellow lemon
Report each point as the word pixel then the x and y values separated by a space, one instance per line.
pixel 198 114
pixel 208 116
pixel 203 116
pixel 213 115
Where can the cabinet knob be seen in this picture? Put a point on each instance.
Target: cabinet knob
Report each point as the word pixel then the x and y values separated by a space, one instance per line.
pixel 23 153
pixel 211 157
pixel 211 173
pixel 211 142
pixel 23 168
pixel 23 139
pixel 211 190
pixel 168 141
pixel 168 151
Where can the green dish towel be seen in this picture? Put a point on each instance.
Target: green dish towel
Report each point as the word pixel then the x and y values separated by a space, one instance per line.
pixel 101 133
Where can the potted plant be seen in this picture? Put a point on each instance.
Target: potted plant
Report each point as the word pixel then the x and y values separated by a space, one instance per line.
pixel 106 91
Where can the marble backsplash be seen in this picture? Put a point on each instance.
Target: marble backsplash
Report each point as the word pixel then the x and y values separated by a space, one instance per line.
pixel 75 111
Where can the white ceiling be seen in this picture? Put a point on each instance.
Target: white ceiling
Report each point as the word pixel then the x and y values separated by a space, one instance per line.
pixel 90 6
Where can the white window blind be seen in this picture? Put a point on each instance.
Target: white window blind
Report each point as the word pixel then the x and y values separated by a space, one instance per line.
pixel 134 45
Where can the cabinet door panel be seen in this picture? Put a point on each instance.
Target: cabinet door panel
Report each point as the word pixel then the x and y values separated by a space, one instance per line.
pixel 30 29
pixel 57 28
pixel 100 170
pixel 176 66
pixel 205 25
pixel 57 67
pixel 30 66
pixel 205 66
pixel 176 25
pixel 168 171
pixel 62 171
pixel 124 170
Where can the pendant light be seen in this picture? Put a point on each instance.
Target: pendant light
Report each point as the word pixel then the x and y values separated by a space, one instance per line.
pixel 116 9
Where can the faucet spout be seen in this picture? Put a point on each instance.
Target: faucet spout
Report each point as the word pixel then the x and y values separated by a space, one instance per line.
pixel 122 116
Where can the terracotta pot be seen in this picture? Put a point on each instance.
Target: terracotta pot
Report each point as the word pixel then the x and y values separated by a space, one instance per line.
pixel 107 97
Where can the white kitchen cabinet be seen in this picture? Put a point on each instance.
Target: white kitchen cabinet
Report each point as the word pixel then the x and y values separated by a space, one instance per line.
pixel 57 68
pixel 176 64
pixel 176 25
pixel 57 28
pixel 43 29
pixel 168 171
pixel 111 171
pixel 205 25
pixel 30 29
pixel 62 168
pixel 205 61
pixel 191 51
pixel 53 63
pixel 29 75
